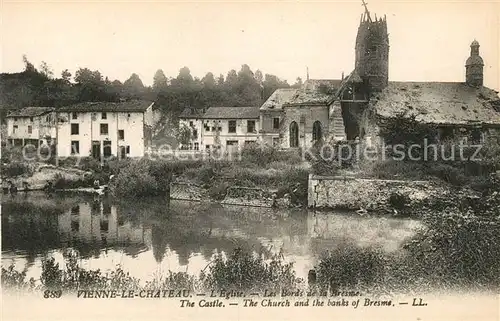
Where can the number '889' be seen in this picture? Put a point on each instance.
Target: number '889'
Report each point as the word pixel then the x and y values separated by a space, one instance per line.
pixel 52 294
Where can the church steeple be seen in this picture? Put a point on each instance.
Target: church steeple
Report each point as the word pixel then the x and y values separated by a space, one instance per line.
pixel 474 66
pixel 372 51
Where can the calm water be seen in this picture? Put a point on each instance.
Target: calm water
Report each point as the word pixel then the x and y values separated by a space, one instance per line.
pixel 150 237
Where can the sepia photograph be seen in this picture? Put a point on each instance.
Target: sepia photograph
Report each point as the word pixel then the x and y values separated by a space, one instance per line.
pixel 267 160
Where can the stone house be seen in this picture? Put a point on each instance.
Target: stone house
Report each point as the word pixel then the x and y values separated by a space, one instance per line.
pixel 31 125
pixel 192 119
pixel 230 127
pixel 298 118
pixel 98 129
pixel 221 127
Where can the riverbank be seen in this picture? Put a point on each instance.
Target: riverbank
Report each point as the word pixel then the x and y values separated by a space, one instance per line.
pixel 440 251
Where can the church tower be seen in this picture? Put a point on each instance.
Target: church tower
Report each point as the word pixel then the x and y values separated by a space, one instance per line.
pixel 372 51
pixel 474 66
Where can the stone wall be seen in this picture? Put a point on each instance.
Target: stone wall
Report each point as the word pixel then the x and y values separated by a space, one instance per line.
pixel 248 197
pixel 304 116
pixel 235 195
pixel 334 192
pixel 187 191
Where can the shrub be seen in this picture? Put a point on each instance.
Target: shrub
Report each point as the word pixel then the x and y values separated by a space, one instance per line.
pixel 349 267
pixel 328 159
pixel 404 129
pixel 218 191
pixel 458 249
pixel 263 155
pixel 16 169
pixel 244 271
pixel 135 180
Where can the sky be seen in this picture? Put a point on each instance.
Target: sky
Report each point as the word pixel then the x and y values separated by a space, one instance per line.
pixel 429 41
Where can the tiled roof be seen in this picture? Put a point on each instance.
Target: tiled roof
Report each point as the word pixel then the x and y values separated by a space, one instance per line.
pixel 439 102
pixel 232 113
pixel 191 113
pixel 315 92
pixel 30 111
pixel 278 98
pixel 125 106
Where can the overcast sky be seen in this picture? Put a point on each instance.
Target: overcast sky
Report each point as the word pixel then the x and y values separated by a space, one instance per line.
pixel 429 40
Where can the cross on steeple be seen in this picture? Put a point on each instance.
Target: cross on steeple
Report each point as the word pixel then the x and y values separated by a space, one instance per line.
pixel 366 10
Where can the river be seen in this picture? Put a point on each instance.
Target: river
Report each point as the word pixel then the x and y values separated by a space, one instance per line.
pixel 150 237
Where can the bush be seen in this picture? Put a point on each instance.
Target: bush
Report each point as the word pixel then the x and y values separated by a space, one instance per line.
pixel 16 169
pixel 218 191
pixel 244 271
pixel 263 155
pixel 135 180
pixel 328 159
pixel 350 267
pixel 458 249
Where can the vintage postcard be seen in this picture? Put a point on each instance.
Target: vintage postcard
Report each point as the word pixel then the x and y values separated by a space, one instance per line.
pixel 250 160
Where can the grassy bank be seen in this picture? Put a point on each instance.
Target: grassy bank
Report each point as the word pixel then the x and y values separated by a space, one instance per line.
pixel 262 167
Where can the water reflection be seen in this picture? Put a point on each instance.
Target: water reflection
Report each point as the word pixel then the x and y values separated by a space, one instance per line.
pixel 153 235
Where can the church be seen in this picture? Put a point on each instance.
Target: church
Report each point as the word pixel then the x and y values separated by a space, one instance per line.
pixel 355 106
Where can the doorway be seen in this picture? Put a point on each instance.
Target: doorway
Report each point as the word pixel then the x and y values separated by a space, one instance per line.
pixel 294 135
pixel 106 148
pixel 123 152
pixel 96 149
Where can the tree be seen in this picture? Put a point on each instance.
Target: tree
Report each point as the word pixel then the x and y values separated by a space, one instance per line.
pixel 28 66
pixel 91 86
pixel 298 83
pixel 66 75
pixel 45 70
pixel 184 135
pixel 85 76
pixel 184 78
pixel 160 81
pixel 220 80
pixel 133 87
pixel 209 81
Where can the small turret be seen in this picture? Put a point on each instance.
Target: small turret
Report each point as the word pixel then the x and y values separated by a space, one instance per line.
pixel 474 66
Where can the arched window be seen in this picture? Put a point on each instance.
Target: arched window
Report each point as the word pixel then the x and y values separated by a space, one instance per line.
pixel 294 134
pixel 317 134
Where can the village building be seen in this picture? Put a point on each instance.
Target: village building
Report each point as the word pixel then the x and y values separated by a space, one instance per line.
pixel 191 118
pixel 293 118
pixel 229 128
pixel 31 126
pixel 104 129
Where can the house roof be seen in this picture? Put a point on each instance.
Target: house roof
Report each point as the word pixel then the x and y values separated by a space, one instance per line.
pixel 278 98
pixel 439 102
pixel 315 92
pixel 125 106
pixel 232 113
pixel 312 92
pixel 191 113
pixel 30 111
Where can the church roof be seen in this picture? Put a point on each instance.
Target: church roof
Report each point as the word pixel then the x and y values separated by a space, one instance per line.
pixel 278 98
pixel 315 92
pixel 439 102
